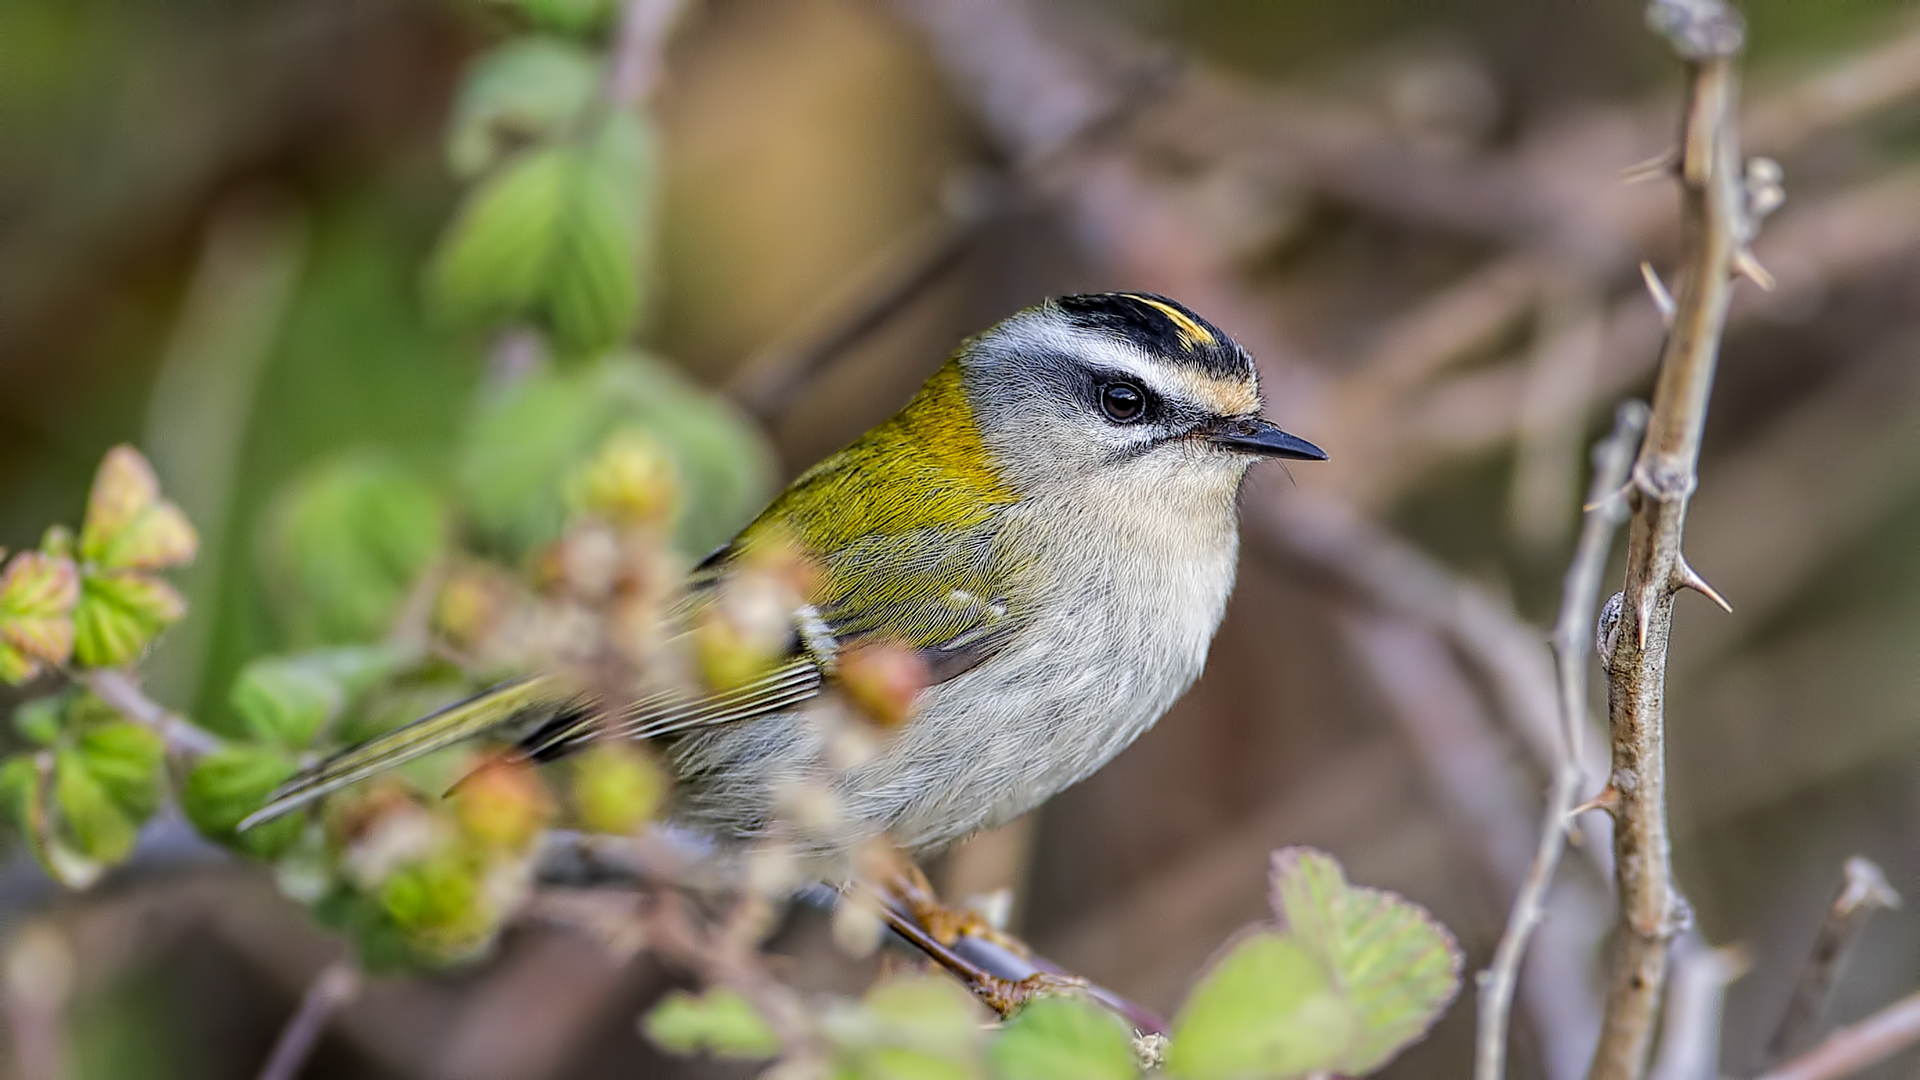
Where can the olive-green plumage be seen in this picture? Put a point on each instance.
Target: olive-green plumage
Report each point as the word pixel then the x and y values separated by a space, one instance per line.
pixel 909 524
pixel 1050 522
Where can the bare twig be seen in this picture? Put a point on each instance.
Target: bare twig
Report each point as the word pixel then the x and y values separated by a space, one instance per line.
pixel 336 985
pixel 1571 634
pixel 1857 1046
pixel 1863 891
pixel 119 689
pixel 769 380
pixel 1716 228
pixel 1690 1032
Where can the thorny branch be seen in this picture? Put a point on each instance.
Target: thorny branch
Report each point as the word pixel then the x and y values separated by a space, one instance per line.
pixel 1716 227
pixel 1570 639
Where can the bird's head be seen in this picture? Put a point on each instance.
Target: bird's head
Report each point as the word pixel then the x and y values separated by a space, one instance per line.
pixel 1120 387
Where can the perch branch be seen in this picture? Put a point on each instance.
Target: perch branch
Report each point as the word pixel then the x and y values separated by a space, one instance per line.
pixel 1857 1046
pixel 121 690
pixel 336 985
pixel 1716 229
pixel 1571 634
pixel 1863 891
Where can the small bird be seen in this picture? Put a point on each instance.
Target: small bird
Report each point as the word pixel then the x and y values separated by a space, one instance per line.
pixel 1050 522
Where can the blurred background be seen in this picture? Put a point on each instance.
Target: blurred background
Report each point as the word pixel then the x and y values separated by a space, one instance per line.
pixel 214 218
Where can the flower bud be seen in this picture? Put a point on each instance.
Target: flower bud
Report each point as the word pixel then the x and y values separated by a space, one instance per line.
pixel 883 681
pixel 617 788
pixel 502 804
pixel 630 482
pixel 745 630
pixel 471 605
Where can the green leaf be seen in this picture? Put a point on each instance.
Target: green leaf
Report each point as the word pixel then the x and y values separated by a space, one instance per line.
pixel 99 826
pixel 922 1012
pixel 720 1022
pixel 23 784
pixel 1064 1038
pixel 19 787
pixel 285 701
pixel 119 615
pixel 525 444
pixel 1265 1011
pixel 526 91
pixel 442 903
pixel 227 785
pixel 128 526
pixel 1394 964
pixel 593 295
pixel 493 258
pixel 37 596
pixel 901 1063
pixel 124 759
pixel 344 546
pixel 555 235
pixel 41 720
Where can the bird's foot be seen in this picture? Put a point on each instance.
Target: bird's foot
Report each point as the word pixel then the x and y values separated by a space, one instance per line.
pixel 949 924
pixel 1006 996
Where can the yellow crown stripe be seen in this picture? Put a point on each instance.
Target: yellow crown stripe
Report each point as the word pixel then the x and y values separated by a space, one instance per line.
pixel 1192 334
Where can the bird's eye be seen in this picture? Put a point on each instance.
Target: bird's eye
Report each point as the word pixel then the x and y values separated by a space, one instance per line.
pixel 1122 402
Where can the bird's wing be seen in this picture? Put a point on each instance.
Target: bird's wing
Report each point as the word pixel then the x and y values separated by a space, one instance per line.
pixel 506 705
pixel 945 596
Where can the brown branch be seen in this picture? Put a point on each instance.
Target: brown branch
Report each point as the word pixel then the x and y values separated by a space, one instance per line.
pixel 1716 228
pixel 336 985
pixel 120 690
pixel 1863 891
pixel 1857 1046
pixel 769 380
pixel 1571 637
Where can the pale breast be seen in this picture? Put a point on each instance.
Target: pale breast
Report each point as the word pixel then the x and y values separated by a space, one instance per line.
pixel 1125 631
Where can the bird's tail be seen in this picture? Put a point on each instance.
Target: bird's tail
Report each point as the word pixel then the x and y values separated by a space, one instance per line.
pixel 506 704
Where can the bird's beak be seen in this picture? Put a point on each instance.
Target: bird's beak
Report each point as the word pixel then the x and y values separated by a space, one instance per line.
pixel 1253 435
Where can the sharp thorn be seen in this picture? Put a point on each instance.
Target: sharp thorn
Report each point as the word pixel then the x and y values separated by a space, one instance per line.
pixel 1662 299
pixel 1608 800
pixel 1749 267
pixel 1690 578
pixel 1655 167
pixel 1643 616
